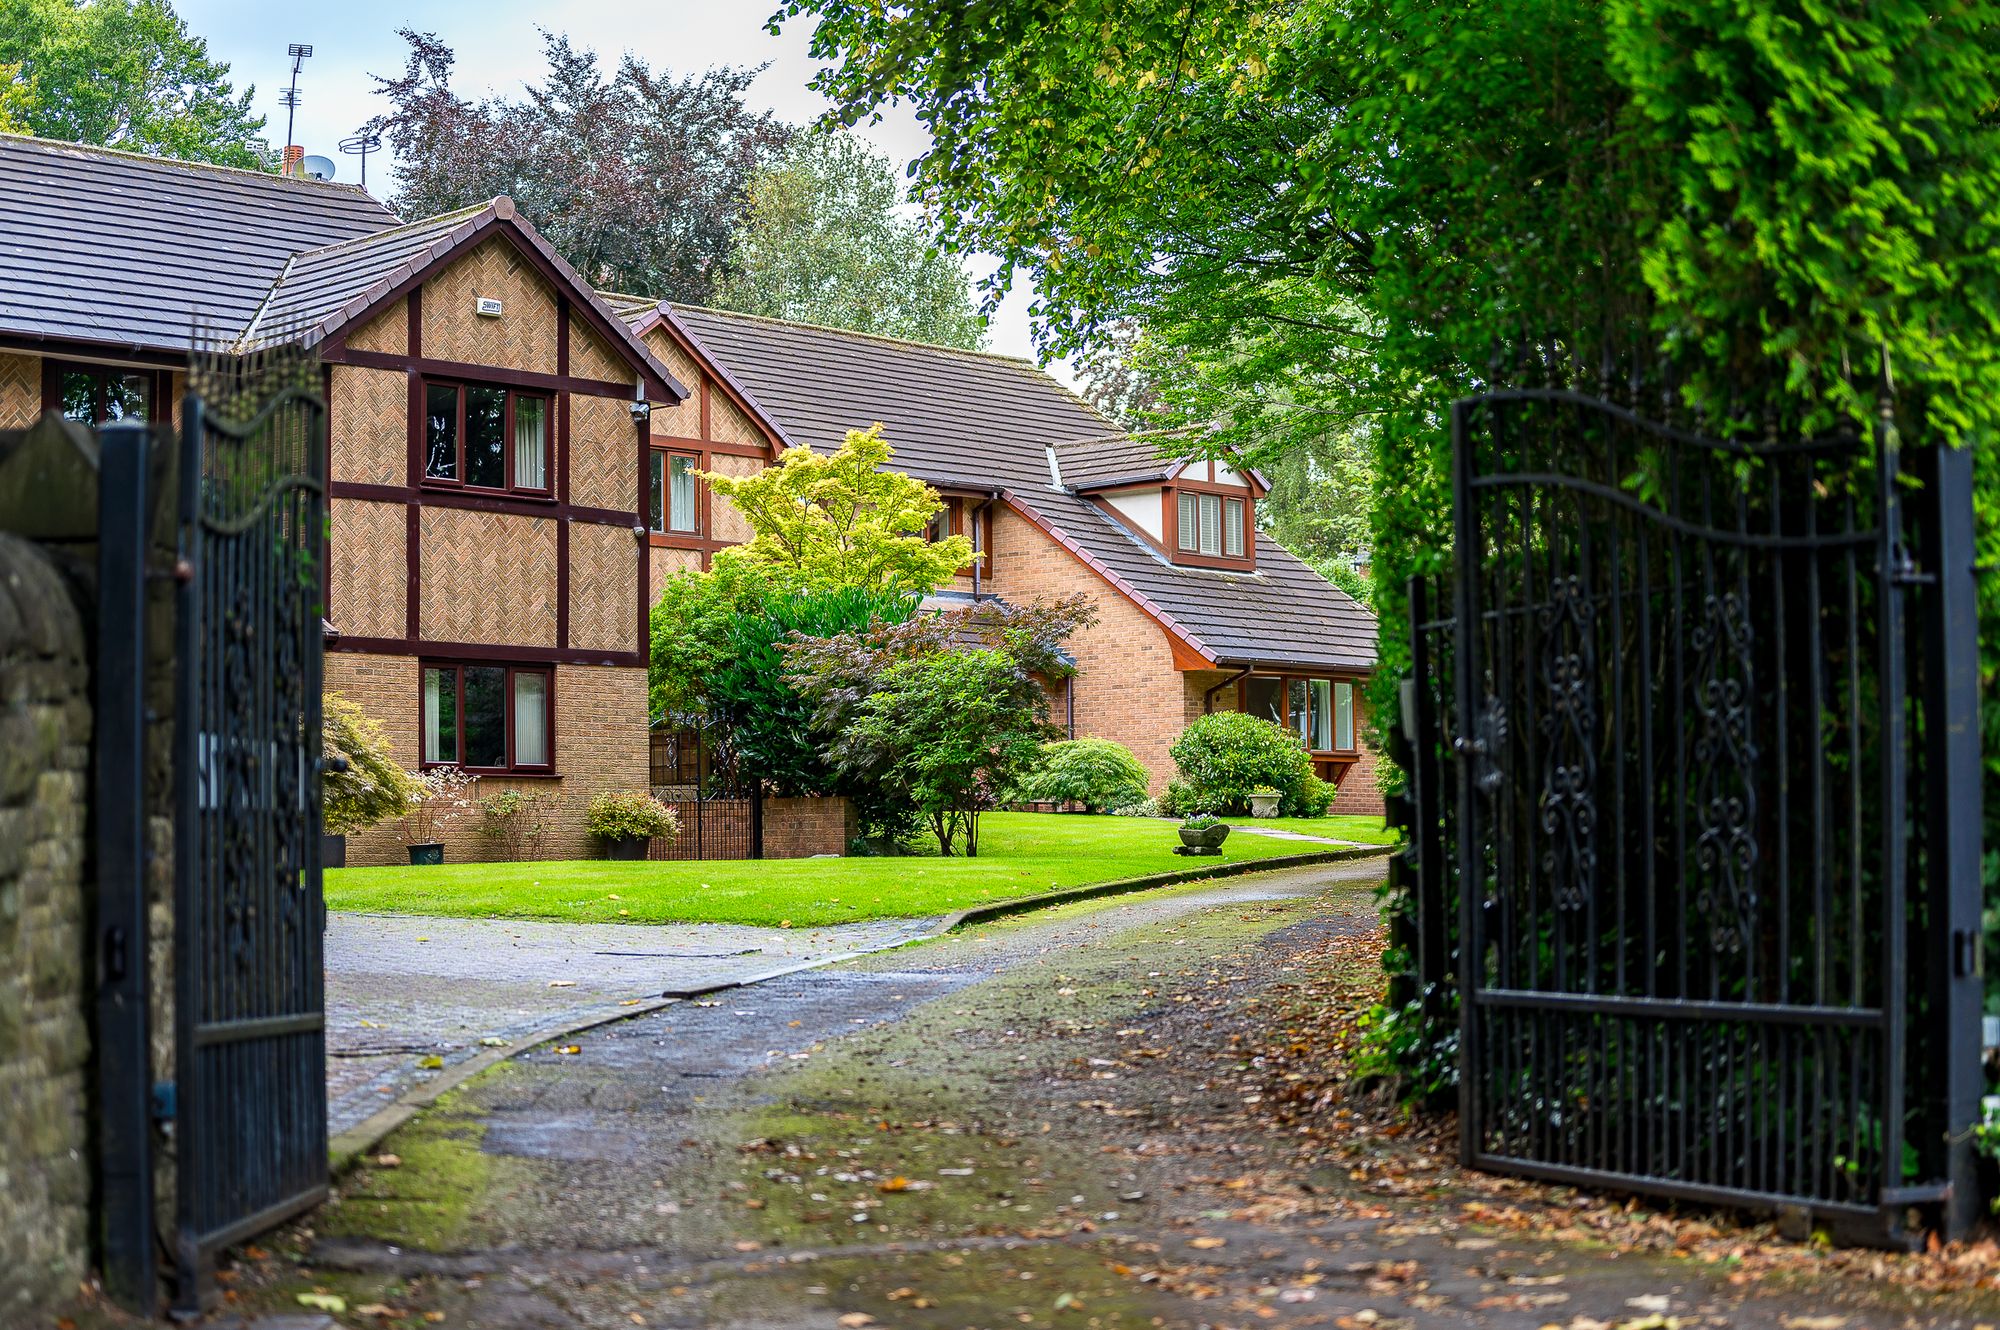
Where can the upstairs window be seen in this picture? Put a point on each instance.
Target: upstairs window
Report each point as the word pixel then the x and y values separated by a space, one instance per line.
pixel 101 394
pixel 486 437
pixel 1211 526
pixel 672 494
pixel 488 717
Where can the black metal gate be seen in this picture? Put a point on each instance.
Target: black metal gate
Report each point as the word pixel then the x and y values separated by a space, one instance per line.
pixel 1707 811
pixel 249 1006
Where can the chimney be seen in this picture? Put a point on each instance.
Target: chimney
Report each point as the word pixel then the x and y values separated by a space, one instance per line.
pixel 289 164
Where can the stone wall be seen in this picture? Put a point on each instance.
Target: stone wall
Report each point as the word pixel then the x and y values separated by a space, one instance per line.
pixel 45 1049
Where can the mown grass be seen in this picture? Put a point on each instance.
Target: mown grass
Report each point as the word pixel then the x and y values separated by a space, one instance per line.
pixel 1340 826
pixel 1020 854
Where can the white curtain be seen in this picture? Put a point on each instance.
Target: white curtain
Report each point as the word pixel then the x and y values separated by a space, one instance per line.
pixel 531 442
pixel 531 720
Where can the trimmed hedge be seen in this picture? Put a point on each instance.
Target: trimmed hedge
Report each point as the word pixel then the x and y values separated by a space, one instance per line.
pixel 1226 754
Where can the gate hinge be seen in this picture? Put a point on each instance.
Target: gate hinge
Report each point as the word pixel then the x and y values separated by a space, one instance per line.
pixel 164 1101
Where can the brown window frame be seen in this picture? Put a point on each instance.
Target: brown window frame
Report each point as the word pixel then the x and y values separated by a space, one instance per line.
pixel 156 387
pixel 457 481
pixel 951 520
pixel 1285 682
pixel 458 669
pixel 667 534
pixel 1224 495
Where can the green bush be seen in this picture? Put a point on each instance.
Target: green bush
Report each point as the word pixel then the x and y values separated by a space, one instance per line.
pixel 1097 773
pixel 630 815
pixel 372 787
pixel 1225 755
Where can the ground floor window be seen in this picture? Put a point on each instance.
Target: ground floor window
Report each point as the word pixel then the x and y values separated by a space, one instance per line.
pixel 1319 711
pixel 489 717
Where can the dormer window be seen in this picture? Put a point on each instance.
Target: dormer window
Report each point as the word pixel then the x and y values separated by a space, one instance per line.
pixel 1211 525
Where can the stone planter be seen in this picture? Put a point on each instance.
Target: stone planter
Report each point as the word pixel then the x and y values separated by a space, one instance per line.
pixel 1264 805
pixel 625 848
pixel 431 852
pixel 332 850
pixel 1204 840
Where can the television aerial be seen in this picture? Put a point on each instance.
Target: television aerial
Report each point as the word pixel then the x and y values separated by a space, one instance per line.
pixel 360 145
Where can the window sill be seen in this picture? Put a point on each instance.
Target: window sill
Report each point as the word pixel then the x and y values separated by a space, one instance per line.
pixel 432 485
pixel 492 773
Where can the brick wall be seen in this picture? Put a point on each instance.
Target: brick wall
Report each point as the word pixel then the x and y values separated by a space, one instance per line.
pixel 45 1049
pixel 523 337
pixel 1127 688
pixel 803 827
pixel 600 745
pixel 603 453
pixel 489 577
pixel 1359 791
pixel 20 390
pixel 369 425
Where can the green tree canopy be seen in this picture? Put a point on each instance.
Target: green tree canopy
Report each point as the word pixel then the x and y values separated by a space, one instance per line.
pixel 823 243
pixel 843 519
pixel 122 74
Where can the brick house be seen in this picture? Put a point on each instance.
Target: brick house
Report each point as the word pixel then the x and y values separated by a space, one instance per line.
pixel 1198 609
pixel 513 464
pixel 487 563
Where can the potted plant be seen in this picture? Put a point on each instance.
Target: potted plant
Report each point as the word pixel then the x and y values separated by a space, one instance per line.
pixel 1264 801
pixel 1203 834
pixel 625 820
pixel 360 783
pixel 443 796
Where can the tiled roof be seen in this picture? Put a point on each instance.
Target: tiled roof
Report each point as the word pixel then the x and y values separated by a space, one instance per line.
pixel 130 251
pixel 315 284
pixel 1119 458
pixel 967 419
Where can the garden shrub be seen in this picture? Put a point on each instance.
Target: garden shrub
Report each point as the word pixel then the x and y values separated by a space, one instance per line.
pixel 1098 773
pixel 630 815
pixel 373 787
pixel 1143 808
pixel 517 822
pixel 1226 754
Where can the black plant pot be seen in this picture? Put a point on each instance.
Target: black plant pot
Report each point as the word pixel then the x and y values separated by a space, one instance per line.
pixel 625 847
pixel 431 853
pixel 332 850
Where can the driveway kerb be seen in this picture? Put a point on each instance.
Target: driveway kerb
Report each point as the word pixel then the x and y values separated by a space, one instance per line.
pixel 351 1145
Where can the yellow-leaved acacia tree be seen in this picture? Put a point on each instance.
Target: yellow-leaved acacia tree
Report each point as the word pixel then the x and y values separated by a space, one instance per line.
pixel 843 519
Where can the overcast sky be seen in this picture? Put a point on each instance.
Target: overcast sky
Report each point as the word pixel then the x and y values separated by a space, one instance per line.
pixel 499 50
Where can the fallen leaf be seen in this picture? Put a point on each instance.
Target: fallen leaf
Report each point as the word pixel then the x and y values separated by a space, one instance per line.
pixel 855 1320
pixel 434 1317
pixel 1208 1244
pixel 493 1041
pixel 325 1302
pixel 562 983
pixel 570 1049
pixel 1814 1322
pixel 387 1161
pixel 1649 1302
pixel 380 1309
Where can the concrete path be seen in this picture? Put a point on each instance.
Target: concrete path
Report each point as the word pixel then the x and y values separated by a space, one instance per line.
pixel 403 990
pixel 1278 833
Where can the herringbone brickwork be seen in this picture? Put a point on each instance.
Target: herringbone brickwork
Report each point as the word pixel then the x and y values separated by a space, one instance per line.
pixel 603 453
pixel 590 358
pixel 20 390
pixel 523 337
pixel 725 523
pixel 367 582
pixel 603 587
pixel 369 425
pixel 488 578
pixel 729 423
pixel 388 332
pixel 664 564
pixel 683 421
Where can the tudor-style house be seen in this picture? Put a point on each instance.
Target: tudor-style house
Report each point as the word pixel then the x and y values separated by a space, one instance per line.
pixel 1198 609
pixel 487 558
pixel 515 462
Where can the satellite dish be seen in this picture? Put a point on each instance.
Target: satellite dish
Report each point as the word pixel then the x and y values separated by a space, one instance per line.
pixel 317 168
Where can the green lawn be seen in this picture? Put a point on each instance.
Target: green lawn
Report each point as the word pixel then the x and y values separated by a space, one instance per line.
pixel 1019 854
pixel 1340 826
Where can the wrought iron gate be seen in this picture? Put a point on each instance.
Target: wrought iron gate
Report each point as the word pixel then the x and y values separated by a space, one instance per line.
pixel 1715 763
pixel 249 1005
